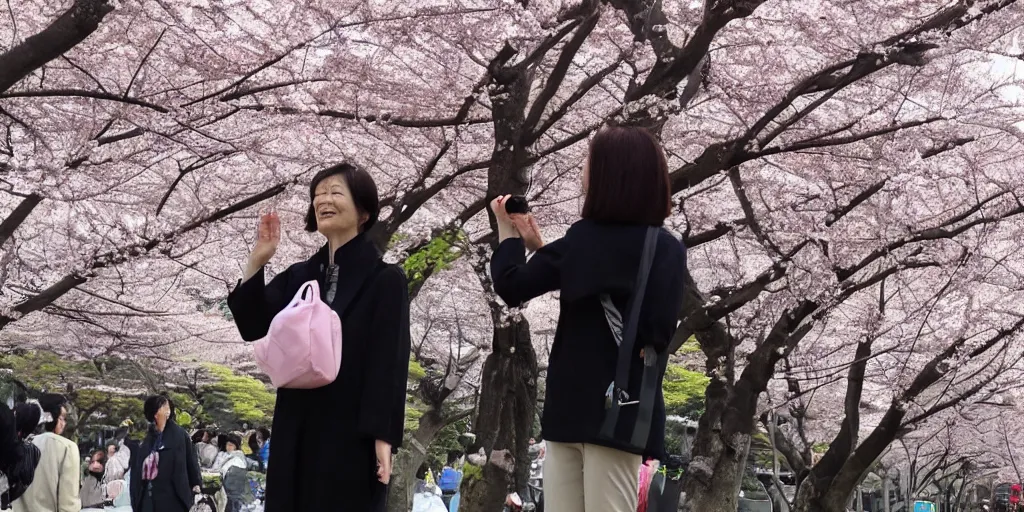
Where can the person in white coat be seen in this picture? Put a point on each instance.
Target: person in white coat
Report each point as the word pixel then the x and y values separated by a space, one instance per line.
pixel 231 457
pixel 57 480
pixel 117 463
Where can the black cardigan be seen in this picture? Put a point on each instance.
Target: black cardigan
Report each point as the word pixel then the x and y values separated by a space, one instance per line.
pixel 592 259
pixel 178 470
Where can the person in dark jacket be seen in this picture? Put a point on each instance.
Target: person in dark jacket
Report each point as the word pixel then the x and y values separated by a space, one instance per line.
pixel 165 475
pixel 627 190
pixel 18 456
pixel 333 445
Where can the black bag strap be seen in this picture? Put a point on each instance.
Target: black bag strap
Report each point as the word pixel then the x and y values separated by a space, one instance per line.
pixel 654 365
pixel 617 392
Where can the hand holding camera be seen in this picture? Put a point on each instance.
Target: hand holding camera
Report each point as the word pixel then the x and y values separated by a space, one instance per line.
pixel 513 216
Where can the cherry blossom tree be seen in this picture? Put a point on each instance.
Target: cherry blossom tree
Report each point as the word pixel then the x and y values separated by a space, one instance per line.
pixel 826 157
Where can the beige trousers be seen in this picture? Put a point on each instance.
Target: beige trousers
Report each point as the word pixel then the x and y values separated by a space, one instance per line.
pixel 590 478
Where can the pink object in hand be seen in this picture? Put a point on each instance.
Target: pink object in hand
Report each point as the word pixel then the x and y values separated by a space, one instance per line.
pixel 302 349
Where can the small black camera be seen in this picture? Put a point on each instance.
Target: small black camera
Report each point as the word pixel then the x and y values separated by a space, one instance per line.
pixel 517 204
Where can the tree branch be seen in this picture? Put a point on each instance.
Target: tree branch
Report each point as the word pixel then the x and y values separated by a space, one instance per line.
pixel 642 16
pixel 902 49
pixel 721 229
pixel 748 212
pixel 182 172
pixel 143 63
pixel 268 87
pixel 67 31
pixel 81 93
pixel 122 254
pixel 666 73
pixel 18 216
pixel 557 74
pixel 404 122
pixel 943 230
pixel 818 142
pixel 130 134
pixel 589 83
pixel 333 27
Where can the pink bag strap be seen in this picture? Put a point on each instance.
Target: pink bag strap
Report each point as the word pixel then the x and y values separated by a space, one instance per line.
pixel 302 298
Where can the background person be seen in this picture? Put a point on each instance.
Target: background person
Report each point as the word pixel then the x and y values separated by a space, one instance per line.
pixel 94 492
pixel 57 480
pixel 18 457
pixel 231 456
pixel 255 461
pixel 118 463
pixel 264 439
pixel 165 475
pixel 205 449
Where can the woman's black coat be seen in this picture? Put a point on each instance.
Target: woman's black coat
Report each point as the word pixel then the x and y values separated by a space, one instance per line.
pixel 593 259
pixel 177 472
pixel 323 456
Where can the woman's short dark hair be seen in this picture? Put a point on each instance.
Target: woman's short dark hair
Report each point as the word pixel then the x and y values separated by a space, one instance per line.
pixel 254 445
pixel 103 455
pixel 264 433
pixel 628 180
pixel 153 404
pixel 360 185
pixel 198 436
pixel 222 442
pixel 27 418
pixel 52 403
pixel 233 439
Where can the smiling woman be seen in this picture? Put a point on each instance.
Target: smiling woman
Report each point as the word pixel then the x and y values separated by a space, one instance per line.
pixel 344 200
pixel 336 440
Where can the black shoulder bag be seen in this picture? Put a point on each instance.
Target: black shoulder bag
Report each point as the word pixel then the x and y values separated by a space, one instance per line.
pixel 617 396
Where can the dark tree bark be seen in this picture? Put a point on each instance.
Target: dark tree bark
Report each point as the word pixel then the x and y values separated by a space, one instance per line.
pixel 412 456
pixel 18 216
pixel 71 28
pixel 508 392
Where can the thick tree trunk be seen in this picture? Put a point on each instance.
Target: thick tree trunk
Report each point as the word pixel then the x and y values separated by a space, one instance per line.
pixel 724 430
pixel 71 28
pixel 409 460
pixel 722 491
pixel 716 468
pixel 508 391
pixel 806 498
pixel 508 396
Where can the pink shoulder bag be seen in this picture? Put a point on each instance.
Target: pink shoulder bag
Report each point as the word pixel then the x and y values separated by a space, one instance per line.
pixel 302 349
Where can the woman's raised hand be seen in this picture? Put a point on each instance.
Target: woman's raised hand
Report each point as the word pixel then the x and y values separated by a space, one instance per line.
pixel 506 229
pixel 527 227
pixel 500 215
pixel 267 239
pixel 516 225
